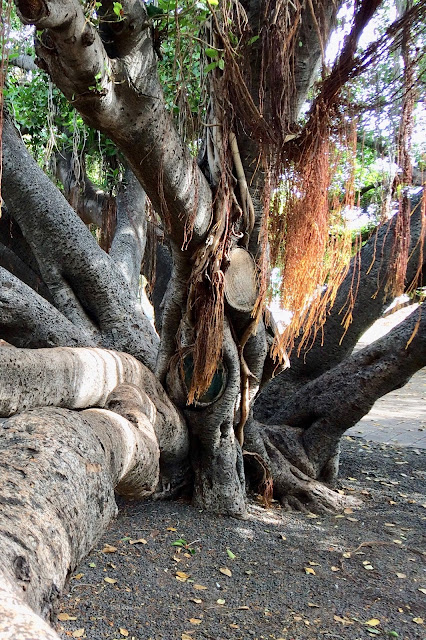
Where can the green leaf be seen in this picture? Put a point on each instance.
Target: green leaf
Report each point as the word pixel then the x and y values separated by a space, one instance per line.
pixel 230 554
pixel 393 634
pixel 92 564
pixel 211 66
pixel 221 64
pixel 253 39
pixel 179 543
pixel 118 9
pixel 212 53
pixel 374 631
pixel 213 3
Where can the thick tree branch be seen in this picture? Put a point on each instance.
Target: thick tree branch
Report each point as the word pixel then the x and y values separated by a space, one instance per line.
pixel 85 283
pixel 109 92
pixel 385 365
pixel 28 320
pixel 128 245
pixel 11 262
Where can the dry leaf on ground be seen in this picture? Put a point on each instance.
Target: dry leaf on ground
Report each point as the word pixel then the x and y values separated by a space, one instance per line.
pixel 65 616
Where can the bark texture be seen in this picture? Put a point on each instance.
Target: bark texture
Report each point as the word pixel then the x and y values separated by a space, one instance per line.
pixel 85 284
pixel 46 452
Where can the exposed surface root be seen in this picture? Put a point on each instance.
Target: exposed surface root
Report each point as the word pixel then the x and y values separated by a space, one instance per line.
pixel 294 476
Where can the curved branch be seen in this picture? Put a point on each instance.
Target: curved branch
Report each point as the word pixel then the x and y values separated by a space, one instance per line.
pixel 109 92
pixel 332 403
pixel 28 320
pixel 85 283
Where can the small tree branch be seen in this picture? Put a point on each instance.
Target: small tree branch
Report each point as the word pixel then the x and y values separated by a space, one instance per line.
pixel 83 196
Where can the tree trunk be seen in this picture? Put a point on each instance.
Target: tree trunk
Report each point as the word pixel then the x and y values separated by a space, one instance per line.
pixel 136 444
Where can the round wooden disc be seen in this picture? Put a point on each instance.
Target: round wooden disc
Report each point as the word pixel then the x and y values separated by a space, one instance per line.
pixel 240 281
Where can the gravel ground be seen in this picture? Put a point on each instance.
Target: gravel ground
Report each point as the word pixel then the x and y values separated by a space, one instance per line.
pixel 348 576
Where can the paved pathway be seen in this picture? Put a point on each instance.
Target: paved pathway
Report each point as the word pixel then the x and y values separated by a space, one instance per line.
pixel 400 416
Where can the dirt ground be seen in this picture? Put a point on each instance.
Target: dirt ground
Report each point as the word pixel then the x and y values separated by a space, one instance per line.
pixel 166 571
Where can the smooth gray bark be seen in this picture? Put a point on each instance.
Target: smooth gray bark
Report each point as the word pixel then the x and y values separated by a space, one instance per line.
pixel 28 320
pixel 128 245
pixel 73 54
pixel 84 282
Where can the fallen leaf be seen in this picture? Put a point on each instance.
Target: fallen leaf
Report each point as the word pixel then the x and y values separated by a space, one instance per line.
pixel 244 608
pixel 373 622
pixel 139 541
pixel 389 524
pixel 311 604
pixel 310 571
pixel 397 541
pixel 345 621
pixel 195 620
pixel 181 576
pixel 346 554
pixel 418 620
pixel 422 590
pixel 226 571
pixel 231 555
pixel 312 515
pixel 78 576
pixel 335 569
pixel 185 636
pixel 110 580
pixel 348 510
pixel 234 626
pixel 171 529
pixel 282 536
pixel 401 575
pixel 196 600
pixel 199 587
pixel 65 616
pixel 123 632
pixel 220 601
pixel 314 564
pixel 108 548
pixel 368 567
pixel 373 631
pixel 352 519
pixel 92 565
pixel 78 633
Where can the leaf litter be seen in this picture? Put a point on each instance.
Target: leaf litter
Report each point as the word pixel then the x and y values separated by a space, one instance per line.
pixel 267 593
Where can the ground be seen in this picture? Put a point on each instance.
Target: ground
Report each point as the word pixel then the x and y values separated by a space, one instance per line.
pixel 349 576
pixel 293 577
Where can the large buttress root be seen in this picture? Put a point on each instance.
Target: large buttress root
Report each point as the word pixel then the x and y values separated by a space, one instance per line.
pixel 297 483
